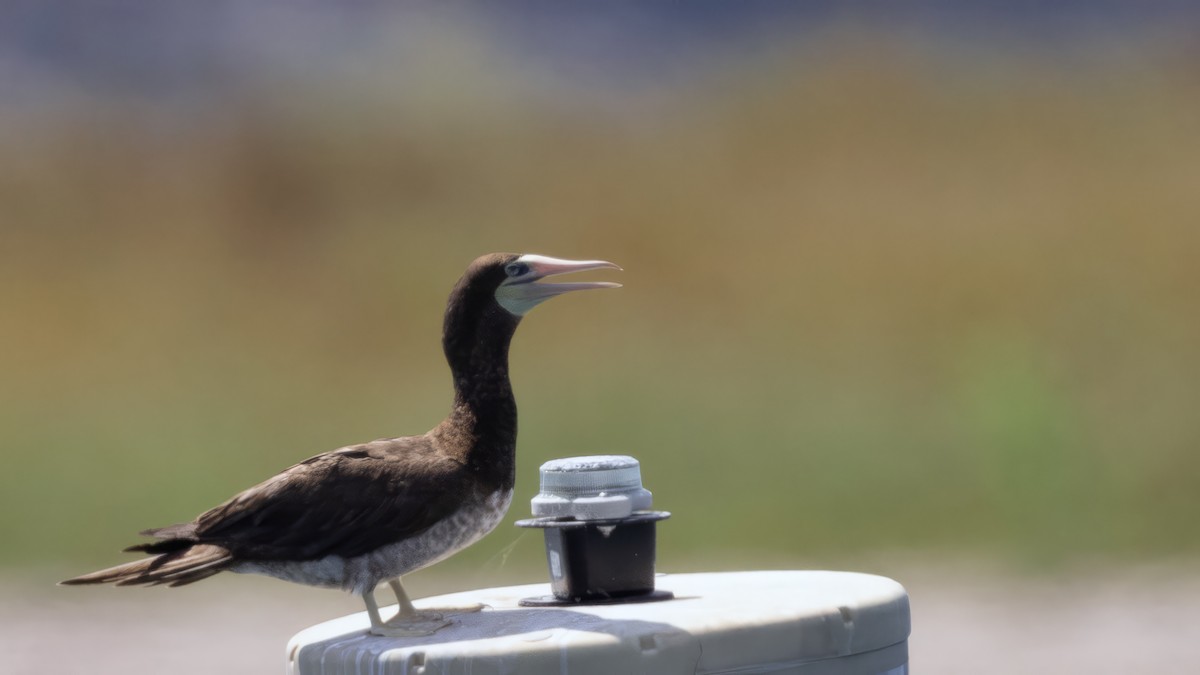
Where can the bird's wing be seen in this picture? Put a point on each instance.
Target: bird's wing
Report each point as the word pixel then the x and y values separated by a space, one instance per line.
pixel 346 502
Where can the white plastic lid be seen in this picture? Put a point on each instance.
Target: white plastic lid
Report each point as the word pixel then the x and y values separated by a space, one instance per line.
pixel 732 623
pixel 595 487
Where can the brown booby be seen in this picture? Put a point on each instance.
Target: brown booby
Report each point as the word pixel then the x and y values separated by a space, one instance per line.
pixel 362 514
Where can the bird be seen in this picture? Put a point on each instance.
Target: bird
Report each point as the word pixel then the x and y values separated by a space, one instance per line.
pixel 365 514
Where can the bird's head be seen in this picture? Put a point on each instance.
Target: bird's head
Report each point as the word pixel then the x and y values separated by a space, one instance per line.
pixel 521 288
pixel 514 281
pixel 496 291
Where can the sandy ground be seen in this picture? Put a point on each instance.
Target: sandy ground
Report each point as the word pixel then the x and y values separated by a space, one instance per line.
pixel 1132 621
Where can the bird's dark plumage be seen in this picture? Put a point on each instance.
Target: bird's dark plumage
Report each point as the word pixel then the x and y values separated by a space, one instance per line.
pixel 367 513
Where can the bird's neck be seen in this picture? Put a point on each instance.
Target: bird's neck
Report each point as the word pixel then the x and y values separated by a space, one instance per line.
pixel 481 429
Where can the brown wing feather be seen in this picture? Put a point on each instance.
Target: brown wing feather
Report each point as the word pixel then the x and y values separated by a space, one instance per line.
pixel 346 502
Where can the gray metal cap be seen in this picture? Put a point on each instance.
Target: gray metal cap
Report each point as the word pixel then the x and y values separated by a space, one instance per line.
pixel 597 487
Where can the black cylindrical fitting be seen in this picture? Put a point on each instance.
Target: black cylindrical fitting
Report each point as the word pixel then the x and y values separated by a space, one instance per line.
pixel 600 560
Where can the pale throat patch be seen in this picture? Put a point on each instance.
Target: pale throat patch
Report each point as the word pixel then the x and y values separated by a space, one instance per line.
pixel 516 296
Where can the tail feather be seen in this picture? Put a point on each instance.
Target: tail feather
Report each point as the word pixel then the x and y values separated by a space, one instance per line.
pixel 175 568
pixel 199 576
pixel 179 531
pixel 166 546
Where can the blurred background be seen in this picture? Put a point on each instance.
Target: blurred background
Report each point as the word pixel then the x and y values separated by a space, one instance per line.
pixel 910 288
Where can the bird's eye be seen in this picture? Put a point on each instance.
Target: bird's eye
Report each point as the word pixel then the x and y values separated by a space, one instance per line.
pixel 516 269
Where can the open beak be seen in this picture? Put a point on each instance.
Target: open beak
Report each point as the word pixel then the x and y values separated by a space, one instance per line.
pixel 521 294
pixel 542 267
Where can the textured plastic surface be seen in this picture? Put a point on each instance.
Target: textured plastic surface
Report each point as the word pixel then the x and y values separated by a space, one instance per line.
pixel 591 488
pixel 810 623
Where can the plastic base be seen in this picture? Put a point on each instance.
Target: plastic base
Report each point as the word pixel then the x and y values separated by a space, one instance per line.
pixel 552 601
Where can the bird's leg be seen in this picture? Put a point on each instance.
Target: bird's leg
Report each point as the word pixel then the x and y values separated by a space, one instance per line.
pixel 403 603
pixel 406 606
pixel 372 611
pixel 408 622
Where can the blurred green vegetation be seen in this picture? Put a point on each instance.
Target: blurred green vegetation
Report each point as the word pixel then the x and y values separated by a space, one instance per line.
pixel 875 300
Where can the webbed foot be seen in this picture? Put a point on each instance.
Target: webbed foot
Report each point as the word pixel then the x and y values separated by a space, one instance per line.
pixel 418 624
pixel 463 609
